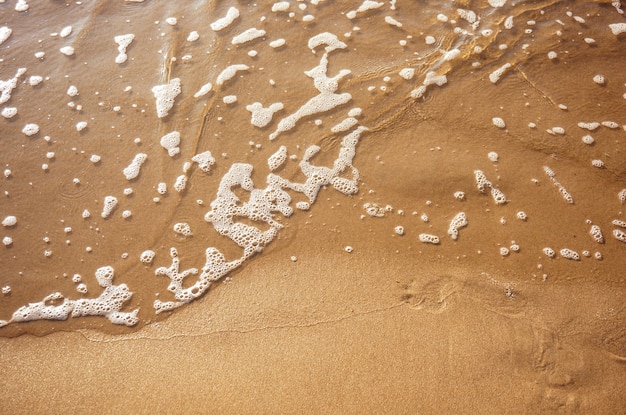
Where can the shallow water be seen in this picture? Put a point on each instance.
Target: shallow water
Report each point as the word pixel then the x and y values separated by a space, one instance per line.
pixel 420 147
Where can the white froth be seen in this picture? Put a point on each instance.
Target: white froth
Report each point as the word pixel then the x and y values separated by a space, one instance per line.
pixel 72 91
pixel 280 6
pixel 223 22
pixel 170 142
pixel 619 234
pixel 596 234
pixel 569 254
pixel 5 33
pixel 428 238
pixel 277 43
pixel 181 183
pixel 21 6
pixel 6 87
pixel 30 129
pixel 248 36
pixel 587 139
pixel 193 36
pixel 599 79
pixel 589 125
pixel 81 125
pixel 365 6
pixel 65 32
pixel 9 112
pixel 498 122
pixel 183 228
pixel 345 125
pixel 229 99
pixel 230 72
pixel 278 158
pixel 132 170
pixel 9 221
pixel 459 221
pixel 326 99
pixel 550 173
pixel 165 95
pixel 67 50
pixel 262 116
pixel 35 80
pixel 123 41
pixel 618 28
pixel 161 188
pixel 393 22
pixel 110 202
pixel 204 89
pixel 147 256
pixel 492 156
pixel 495 76
pixel 407 73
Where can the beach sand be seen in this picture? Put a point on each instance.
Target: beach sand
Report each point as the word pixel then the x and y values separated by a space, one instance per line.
pixel 341 312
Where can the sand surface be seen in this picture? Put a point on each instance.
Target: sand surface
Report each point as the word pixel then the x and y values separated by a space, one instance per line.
pixel 337 311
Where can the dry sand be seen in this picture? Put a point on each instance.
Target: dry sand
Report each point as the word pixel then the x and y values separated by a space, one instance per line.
pixel 395 325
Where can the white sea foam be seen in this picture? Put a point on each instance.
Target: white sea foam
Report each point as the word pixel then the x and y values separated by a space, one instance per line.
pixel 165 95
pixel 223 22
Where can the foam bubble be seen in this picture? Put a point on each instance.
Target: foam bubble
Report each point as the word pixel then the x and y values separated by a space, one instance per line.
pixel 278 158
pixel 549 252
pixel 109 204
pixel 35 80
pixel 587 139
pixel 223 22
pixel 67 50
pixel 81 125
pixel 428 238
pixel 619 234
pixel 459 221
pixel 495 76
pixel 9 221
pixel 123 41
pixel 170 142
pixel 393 22
pixel 569 254
pixel 204 89
pixel 230 72
pixel 599 79
pixel 161 188
pixel 5 33
pixel 205 160
pixel 229 99
pixel 132 171
pixel 262 116
pixel 618 28
pixel 193 36
pixel 596 234
pixel 550 173
pixel 407 73
pixel 498 122
pixel 248 36
pixel 365 6
pixel 589 125
pixel 7 241
pixel 621 195
pixel 277 43
pixel 399 230
pixel 9 112
pixel 597 163
pixel 30 129
pixel 181 183
pixel 183 228
pixel 147 256
pixel 6 87
pixel 165 95
pixel 280 6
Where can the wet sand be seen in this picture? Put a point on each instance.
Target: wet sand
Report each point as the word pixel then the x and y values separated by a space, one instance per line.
pixel 393 326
